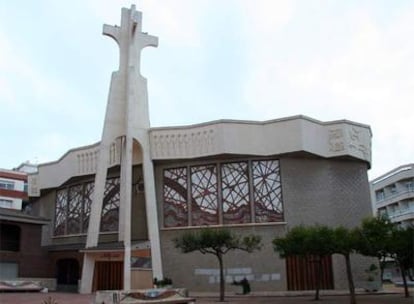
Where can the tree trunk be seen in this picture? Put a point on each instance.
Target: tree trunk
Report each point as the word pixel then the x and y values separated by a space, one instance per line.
pixel 406 292
pixel 318 277
pixel 382 266
pixel 350 279
pixel 220 258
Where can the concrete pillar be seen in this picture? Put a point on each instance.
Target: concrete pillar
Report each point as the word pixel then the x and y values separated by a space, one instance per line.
pixel 87 274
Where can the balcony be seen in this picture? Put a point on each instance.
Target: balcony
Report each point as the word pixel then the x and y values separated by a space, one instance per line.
pixel 394 197
pixel 401 214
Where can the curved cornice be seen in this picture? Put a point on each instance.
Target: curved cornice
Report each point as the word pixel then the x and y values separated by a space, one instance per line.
pixel 273 137
pixel 262 122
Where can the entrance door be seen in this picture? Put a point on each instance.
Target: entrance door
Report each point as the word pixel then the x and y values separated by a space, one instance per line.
pixel 302 273
pixel 108 275
pixel 67 275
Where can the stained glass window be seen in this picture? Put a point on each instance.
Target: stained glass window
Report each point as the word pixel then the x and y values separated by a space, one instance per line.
pixel 267 191
pixel 204 205
pixel 228 193
pixel 235 193
pixel 87 201
pixel 61 212
pixel 110 207
pixel 74 209
pixel 175 197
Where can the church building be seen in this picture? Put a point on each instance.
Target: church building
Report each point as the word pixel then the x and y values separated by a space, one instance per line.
pixel 115 206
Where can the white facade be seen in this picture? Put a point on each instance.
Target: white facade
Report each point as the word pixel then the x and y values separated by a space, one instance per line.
pixel 12 189
pixel 393 194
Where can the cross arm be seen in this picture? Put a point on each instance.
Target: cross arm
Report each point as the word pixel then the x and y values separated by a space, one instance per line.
pixel 148 40
pixel 112 31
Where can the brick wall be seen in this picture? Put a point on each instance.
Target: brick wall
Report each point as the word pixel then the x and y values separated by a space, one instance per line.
pixel 32 259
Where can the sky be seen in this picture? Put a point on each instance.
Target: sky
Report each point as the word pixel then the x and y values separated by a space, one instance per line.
pixel 217 59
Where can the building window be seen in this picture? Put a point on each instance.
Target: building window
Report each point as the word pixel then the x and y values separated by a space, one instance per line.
pixel 175 197
pixel 61 211
pixel 267 191
pixel 235 193
pixel 5 184
pixel 9 270
pixel 204 207
pixel 87 201
pixel 223 193
pixel 6 203
pixel 409 186
pixel 382 211
pixel 75 201
pixel 9 237
pixel 379 195
pixel 73 208
pixel 110 207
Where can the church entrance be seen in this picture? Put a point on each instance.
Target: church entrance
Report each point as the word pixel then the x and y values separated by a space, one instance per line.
pixel 108 275
pixel 67 272
pixel 302 272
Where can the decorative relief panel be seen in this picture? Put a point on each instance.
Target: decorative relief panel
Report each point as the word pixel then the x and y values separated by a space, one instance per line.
pixel 336 140
pixel 352 140
pixel 356 142
pixel 87 159
pixel 165 144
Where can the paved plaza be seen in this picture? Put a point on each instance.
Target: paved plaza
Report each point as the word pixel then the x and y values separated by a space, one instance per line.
pixel 395 297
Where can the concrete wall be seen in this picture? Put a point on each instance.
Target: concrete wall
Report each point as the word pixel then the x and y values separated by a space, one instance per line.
pixel 198 272
pixel 328 192
pixel 315 191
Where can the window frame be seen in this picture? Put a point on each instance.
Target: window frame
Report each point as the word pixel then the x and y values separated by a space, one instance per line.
pixel 219 165
pixel 87 189
pixel 7 184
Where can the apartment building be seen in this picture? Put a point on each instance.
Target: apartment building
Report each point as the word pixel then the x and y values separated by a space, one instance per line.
pixel 13 189
pixel 393 194
pixel 21 253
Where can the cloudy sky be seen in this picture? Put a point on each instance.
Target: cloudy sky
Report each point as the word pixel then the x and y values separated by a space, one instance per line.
pixel 241 59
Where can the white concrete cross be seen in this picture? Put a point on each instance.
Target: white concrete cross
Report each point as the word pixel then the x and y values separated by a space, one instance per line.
pixel 127 124
pixel 130 38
